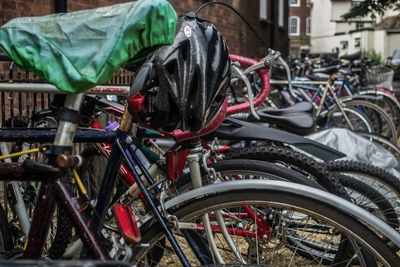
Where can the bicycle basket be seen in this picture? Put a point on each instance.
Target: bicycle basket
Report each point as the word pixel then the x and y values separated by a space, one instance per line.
pixel 379 76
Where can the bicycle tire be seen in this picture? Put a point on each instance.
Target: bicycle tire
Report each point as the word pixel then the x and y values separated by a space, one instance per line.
pixel 334 118
pixel 385 120
pixel 387 184
pixel 63 232
pixel 261 167
pixel 329 181
pixel 292 158
pixel 385 211
pixel 389 99
pixel 63 235
pixel 197 205
pixel 275 171
pixel 6 241
pixel 356 167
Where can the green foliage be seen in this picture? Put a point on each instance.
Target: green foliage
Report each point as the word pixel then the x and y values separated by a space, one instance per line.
pixel 371 8
pixel 374 57
pixel 396 69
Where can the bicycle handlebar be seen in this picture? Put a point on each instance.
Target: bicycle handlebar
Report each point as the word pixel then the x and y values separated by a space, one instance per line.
pixel 265 85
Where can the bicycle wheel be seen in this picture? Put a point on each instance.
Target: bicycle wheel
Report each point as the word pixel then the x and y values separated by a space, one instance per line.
pixel 291 211
pixel 384 182
pixel 364 195
pixel 6 242
pixel 250 169
pixel 292 160
pixel 359 192
pixel 381 121
pixel 392 148
pixel 92 172
pixel 246 169
pixel 386 100
pixel 60 231
pixel 357 121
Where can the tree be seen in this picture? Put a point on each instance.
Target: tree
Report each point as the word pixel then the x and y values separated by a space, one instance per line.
pixel 371 8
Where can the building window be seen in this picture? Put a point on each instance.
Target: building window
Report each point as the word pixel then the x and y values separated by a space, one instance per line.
pixel 308 26
pixel 281 18
pixel 359 25
pixel 357 42
pixel 263 10
pixel 294 26
pixel 344 44
pixel 294 2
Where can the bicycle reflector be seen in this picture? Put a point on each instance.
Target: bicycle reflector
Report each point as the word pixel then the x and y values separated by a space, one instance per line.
pixel 127 223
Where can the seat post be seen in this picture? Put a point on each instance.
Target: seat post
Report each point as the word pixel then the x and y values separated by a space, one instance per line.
pixel 66 128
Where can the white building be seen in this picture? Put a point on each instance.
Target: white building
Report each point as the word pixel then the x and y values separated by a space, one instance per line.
pixel 329 33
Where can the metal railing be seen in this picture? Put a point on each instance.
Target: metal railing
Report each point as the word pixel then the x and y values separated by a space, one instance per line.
pixel 23 92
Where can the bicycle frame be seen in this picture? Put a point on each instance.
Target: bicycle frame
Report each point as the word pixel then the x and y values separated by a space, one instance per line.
pixel 46 197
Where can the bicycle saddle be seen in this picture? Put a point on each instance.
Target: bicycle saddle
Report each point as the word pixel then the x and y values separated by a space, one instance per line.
pixel 78 50
pixel 351 57
pixel 296 119
pixel 320 77
pixel 327 70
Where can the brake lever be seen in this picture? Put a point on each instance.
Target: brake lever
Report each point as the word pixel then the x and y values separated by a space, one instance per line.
pixel 238 73
pixel 270 60
pixel 289 77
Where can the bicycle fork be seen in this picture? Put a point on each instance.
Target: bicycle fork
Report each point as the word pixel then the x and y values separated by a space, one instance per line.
pixel 194 158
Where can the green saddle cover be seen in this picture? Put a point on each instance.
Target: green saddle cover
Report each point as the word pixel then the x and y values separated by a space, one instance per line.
pixel 76 51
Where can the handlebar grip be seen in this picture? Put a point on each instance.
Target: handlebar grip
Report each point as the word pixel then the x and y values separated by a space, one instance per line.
pixel 265 85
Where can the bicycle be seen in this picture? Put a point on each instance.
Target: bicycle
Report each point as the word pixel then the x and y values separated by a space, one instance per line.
pixel 64 138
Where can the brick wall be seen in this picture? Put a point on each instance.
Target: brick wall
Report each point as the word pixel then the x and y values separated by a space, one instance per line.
pixel 17 8
pixel 239 38
pixel 296 42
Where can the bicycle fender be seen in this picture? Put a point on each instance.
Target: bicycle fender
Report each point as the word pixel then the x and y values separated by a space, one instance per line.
pixel 233 129
pixel 284 188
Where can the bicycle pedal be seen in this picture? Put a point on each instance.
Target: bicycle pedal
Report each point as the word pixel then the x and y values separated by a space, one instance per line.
pixel 127 223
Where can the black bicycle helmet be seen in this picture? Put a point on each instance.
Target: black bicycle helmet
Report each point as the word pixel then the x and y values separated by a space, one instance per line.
pixel 191 77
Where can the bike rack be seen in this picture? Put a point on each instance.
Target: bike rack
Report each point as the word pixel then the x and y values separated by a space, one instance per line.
pixel 22 92
pixel 119 90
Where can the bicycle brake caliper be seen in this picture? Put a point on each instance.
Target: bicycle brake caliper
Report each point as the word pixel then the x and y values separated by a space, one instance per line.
pixel 172 219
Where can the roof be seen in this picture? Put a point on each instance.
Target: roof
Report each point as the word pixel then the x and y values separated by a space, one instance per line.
pixel 389 23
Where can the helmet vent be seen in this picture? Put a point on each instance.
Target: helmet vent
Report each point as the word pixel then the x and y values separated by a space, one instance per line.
pixel 171 67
